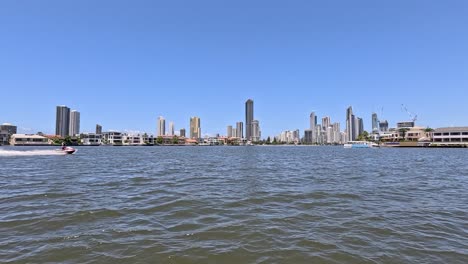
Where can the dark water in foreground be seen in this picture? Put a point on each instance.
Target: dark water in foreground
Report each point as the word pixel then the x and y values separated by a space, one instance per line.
pixel 234 205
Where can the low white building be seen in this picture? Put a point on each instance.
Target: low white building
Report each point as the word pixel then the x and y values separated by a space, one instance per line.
pixel 28 140
pixel 112 138
pixel 132 140
pixel 450 136
pixel 91 139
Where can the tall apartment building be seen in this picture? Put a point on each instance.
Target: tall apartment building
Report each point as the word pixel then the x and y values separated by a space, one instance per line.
pixel 62 121
pixel 249 117
pixel 195 129
pixel 74 128
pixel 161 127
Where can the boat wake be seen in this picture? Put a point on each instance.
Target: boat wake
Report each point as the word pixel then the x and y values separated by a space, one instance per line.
pixel 48 152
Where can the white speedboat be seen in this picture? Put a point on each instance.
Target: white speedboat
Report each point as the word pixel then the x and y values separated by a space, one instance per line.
pixel 360 144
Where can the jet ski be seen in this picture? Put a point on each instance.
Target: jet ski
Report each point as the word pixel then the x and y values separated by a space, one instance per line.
pixel 69 150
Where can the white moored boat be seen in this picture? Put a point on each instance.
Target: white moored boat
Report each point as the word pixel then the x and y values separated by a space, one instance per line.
pixel 360 144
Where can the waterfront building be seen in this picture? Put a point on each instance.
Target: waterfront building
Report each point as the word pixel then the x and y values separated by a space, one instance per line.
pixel 182 132
pixel 91 139
pixel 313 124
pixel 9 128
pixel 289 137
pixel 296 136
pixel 98 129
pixel 62 121
pixel 337 131
pixel 319 134
pixel 255 131
pixel 74 128
pixel 383 126
pixel 112 138
pixel 326 122
pixel 417 134
pixel 360 126
pixel 4 137
pixel 28 140
pixel 6 130
pixel 148 139
pixel 132 140
pixel 195 129
pixel 375 123
pixel 450 136
pixel 171 128
pixel 161 126
pixel 342 137
pixel 229 131
pixel 307 136
pixel 240 130
pixel 249 117
pixel 350 125
pixel 234 132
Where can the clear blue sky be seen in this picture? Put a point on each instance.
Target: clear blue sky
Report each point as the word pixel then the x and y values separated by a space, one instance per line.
pixel 124 63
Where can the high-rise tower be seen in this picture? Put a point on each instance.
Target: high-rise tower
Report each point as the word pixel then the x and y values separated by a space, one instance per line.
pixel 62 121
pixel 195 129
pixel 240 130
pixel 74 128
pixel 375 123
pixel 350 125
pixel 171 128
pixel 255 131
pixel 161 126
pixel 313 124
pixel 249 117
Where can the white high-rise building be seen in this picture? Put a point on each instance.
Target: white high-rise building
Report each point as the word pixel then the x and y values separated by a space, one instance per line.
pixel 255 131
pixel 240 130
pixel 74 128
pixel 161 127
pixel 229 131
pixel 171 128
pixel 326 122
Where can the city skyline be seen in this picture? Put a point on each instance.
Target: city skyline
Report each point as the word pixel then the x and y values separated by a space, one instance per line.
pixel 308 57
pixel 68 122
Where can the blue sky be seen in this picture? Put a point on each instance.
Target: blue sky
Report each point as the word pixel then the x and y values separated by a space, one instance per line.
pixel 124 63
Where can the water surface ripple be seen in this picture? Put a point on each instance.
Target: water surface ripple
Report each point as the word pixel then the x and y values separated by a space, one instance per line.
pixel 234 205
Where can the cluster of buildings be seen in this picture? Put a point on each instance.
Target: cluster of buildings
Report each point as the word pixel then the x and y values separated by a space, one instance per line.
pixel 252 128
pixel 67 122
pixel 327 133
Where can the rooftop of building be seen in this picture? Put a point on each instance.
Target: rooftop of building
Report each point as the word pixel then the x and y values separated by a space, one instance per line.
pixel 26 136
pixel 451 129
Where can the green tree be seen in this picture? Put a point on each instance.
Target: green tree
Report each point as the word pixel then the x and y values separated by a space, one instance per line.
pixel 364 136
pixel 67 140
pixel 159 140
pixel 428 129
pixel 175 140
pixel 275 141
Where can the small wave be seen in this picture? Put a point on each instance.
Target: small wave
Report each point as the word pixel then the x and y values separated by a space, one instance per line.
pixel 48 152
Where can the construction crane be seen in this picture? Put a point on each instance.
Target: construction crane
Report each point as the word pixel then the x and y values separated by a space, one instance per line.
pixel 413 117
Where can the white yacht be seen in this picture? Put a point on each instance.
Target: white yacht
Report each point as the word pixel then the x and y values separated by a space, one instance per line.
pixel 360 144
